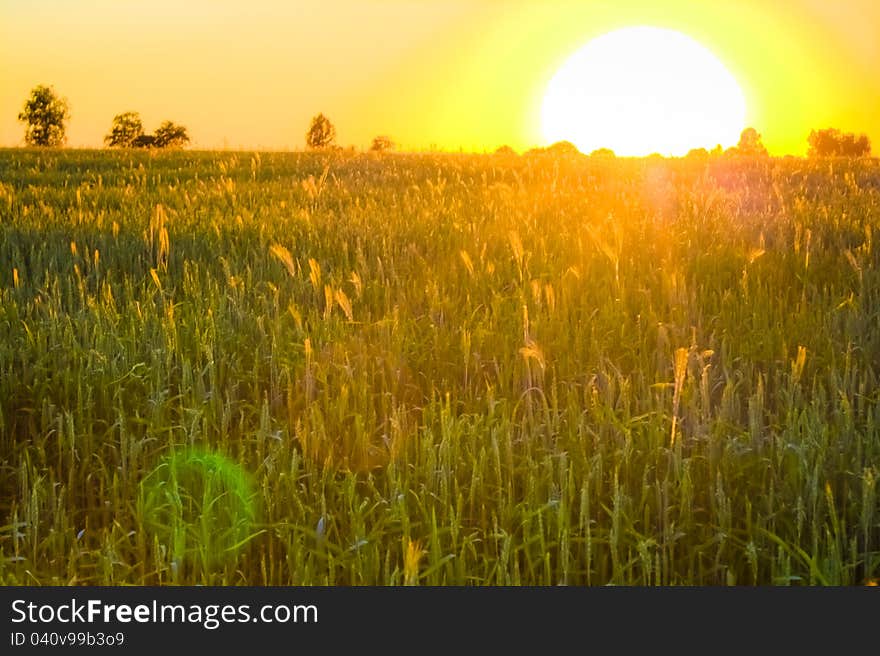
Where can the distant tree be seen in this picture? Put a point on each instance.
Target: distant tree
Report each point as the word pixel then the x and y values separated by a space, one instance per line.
pixel 44 114
pixel 563 148
pixel 750 143
pixel 505 150
pixel 169 135
pixel 321 133
pixel 697 153
pixel 861 146
pixel 125 129
pixel 603 152
pixel 381 144
pixel 834 143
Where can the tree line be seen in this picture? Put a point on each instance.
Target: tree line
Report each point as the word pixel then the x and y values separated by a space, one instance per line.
pixel 45 115
pixel 322 135
pixel 127 131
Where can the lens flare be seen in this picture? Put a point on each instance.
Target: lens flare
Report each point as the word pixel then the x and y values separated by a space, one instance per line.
pixel 200 506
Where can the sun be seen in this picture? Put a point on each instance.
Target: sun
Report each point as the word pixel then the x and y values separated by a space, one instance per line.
pixel 643 90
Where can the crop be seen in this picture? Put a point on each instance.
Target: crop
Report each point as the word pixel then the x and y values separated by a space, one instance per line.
pixel 342 369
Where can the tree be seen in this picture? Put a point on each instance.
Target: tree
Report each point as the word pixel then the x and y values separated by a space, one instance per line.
pixel 563 149
pixel 697 153
pixel 506 151
pixel 381 144
pixel 125 130
pixel 321 133
pixel 44 113
pixel 750 143
pixel 169 135
pixel 834 143
pixel 603 152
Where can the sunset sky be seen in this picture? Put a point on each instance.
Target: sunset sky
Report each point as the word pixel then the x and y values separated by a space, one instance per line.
pixel 445 74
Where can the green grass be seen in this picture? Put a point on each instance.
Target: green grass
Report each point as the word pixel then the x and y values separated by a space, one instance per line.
pixel 438 369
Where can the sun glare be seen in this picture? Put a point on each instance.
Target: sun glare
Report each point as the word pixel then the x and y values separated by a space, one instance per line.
pixel 643 90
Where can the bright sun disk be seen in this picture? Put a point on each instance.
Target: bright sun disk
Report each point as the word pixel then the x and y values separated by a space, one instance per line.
pixel 643 90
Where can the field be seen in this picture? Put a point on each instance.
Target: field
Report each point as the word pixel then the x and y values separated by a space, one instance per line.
pixel 342 369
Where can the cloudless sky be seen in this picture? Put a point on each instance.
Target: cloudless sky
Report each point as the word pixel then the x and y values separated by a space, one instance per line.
pixel 446 74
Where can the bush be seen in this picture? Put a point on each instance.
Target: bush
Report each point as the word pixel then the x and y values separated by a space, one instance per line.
pixel 381 144
pixel 834 143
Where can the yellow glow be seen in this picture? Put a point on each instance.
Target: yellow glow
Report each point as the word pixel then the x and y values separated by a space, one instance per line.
pixel 432 74
pixel 643 90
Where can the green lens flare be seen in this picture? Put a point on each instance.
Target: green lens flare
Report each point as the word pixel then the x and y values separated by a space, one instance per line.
pixel 200 505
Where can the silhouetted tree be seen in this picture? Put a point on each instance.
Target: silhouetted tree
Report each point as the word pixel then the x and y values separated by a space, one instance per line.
pixel 44 114
pixel 697 153
pixel 126 128
pixel 381 144
pixel 834 143
pixel 603 152
pixel 505 150
pixel 321 133
pixel 563 148
pixel 169 135
pixel 750 143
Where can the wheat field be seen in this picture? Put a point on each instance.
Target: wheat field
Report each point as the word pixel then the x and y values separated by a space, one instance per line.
pixel 440 369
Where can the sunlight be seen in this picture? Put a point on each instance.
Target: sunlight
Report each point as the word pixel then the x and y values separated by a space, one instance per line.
pixel 643 90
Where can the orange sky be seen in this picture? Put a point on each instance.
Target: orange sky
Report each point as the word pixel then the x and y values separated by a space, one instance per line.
pixel 448 74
